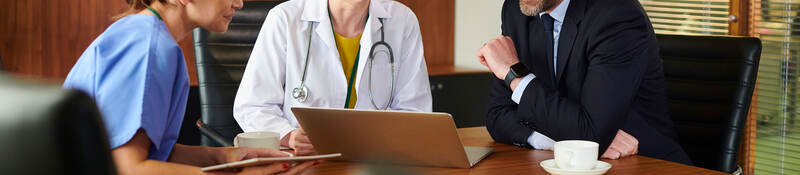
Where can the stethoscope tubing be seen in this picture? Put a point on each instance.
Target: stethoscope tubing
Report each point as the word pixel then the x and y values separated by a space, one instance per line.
pixel 300 93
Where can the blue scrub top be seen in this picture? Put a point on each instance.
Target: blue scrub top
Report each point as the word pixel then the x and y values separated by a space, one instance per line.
pixel 137 74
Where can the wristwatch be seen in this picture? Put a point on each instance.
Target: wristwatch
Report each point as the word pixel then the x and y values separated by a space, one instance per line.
pixel 516 71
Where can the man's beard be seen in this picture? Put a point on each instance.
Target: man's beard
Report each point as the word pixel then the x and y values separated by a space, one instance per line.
pixel 536 6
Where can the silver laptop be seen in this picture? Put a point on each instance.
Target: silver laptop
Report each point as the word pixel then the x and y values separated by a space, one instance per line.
pixel 412 138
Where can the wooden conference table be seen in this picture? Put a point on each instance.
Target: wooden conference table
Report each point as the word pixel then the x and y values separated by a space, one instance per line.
pixel 507 159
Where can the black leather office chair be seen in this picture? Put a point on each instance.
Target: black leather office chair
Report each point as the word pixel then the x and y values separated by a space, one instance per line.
pixel 710 81
pixel 47 130
pixel 221 59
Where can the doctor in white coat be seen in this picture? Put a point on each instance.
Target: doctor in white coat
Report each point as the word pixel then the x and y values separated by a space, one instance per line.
pixel 311 34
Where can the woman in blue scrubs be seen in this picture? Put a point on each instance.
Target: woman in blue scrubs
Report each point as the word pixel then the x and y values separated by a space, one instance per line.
pixel 136 72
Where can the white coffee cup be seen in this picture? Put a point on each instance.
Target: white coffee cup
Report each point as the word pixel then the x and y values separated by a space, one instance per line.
pixel 257 140
pixel 575 154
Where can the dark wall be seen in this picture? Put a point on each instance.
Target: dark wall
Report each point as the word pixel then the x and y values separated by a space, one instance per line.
pixel 462 95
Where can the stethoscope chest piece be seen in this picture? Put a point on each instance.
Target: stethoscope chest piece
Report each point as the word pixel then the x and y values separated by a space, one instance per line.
pixel 300 93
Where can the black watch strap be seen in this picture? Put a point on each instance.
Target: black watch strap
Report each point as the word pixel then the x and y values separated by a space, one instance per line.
pixel 516 71
pixel 510 76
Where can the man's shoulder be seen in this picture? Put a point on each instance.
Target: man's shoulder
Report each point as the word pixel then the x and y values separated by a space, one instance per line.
pixel 512 16
pixel 609 10
pixel 510 10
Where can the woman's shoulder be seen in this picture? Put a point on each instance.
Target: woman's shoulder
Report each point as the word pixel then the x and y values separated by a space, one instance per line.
pixel 138 36
pixel 132 28
pixel 289 8
pixel 397 9
pixel 137 40
pixel 400 14
pixel 289 11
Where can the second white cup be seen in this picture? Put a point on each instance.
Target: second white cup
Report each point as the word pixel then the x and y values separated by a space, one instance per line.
pixel 575 154
pixel 258 140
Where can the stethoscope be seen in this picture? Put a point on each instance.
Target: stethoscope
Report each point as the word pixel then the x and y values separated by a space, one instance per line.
pixel 300 93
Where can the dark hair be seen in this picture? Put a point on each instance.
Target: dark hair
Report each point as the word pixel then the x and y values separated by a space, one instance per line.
pixel 136 6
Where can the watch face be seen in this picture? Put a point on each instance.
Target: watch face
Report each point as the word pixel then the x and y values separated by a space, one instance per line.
pixel 519 69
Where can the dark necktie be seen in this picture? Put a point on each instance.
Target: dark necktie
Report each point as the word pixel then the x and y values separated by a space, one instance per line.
pixel 548 37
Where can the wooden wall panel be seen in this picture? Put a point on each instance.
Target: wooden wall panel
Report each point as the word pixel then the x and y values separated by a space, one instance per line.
pixel 437 22
pixel 741 10
pixel 42 39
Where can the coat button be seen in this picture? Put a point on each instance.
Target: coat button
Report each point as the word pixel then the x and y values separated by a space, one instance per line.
pixel 524 123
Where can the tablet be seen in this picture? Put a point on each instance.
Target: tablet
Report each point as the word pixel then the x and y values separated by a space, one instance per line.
pixel 268 160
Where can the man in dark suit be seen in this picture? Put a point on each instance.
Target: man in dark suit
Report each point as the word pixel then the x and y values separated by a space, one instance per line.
pixel 579 69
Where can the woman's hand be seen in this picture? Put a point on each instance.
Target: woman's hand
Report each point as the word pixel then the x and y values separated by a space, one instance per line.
pixel 231 154
pixel 298 140
pixel 278 168
pixel 131 158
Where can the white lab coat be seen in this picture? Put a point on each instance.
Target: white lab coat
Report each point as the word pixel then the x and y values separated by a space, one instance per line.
pixel 264 99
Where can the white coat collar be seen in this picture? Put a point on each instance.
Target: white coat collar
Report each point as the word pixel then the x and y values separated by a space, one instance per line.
pixel 317 11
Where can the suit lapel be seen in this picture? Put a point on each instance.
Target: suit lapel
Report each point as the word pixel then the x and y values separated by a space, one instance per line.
pixel 569 31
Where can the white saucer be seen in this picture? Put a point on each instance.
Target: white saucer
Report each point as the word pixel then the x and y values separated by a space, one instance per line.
pixel 550 166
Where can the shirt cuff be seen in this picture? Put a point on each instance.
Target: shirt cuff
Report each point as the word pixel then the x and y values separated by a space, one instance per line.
pixel 540 141
pixel 517 94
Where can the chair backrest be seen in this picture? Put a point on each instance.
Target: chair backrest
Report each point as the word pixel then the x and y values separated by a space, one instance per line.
pixel 710 81
pixel 221 59
pixel 47 130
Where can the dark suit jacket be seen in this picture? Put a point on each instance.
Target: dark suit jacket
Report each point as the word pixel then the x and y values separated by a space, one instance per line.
pixel 609 78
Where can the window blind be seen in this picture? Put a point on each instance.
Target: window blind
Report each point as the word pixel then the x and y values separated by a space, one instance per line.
pixel 693 17
pixel 777 147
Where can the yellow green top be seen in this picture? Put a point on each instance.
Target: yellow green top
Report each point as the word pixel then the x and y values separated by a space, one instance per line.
pixel 348 54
